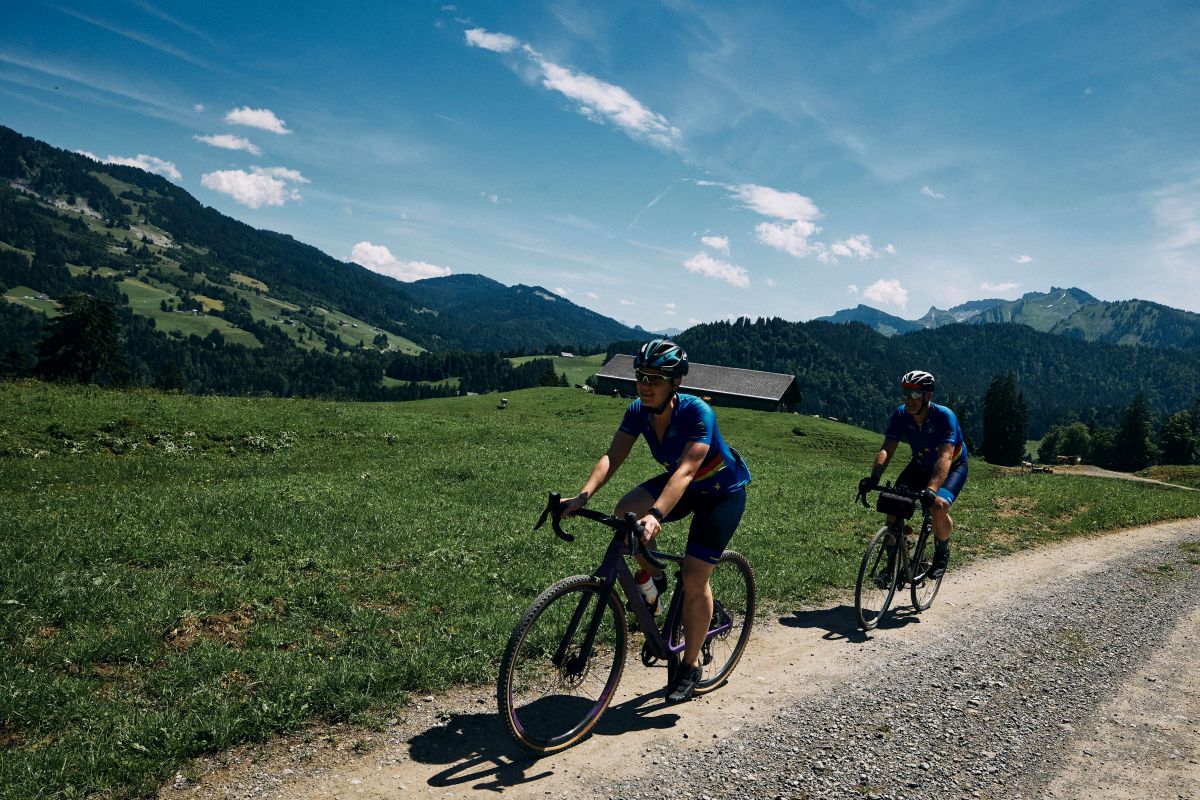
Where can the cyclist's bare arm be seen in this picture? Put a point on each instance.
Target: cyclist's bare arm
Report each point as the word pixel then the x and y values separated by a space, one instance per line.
pixel 883 457
pixel 605 468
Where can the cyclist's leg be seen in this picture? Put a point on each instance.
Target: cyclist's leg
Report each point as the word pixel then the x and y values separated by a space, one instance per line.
pixel 943 525
pixel 712 528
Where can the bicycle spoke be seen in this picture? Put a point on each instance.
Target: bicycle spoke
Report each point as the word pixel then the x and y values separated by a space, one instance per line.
pixel 733 616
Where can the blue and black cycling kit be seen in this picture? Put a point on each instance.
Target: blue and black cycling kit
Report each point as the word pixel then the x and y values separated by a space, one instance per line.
pixel 716 495
pixel 940 428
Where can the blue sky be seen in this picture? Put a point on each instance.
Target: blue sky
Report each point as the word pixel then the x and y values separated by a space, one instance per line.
pixel 661 163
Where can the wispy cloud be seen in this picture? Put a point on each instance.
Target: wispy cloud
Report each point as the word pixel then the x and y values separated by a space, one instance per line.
pixel 925 190
pixel 709 267
pixel 262 186
pixel 887 292
pixel 154 164
pixel 1022 259
pixel 141 38
pixel 1000 288
pixel 595 99
pixel 718 243
pixel 378 258
pixel 261 118
pixel 650 205
pixel 1176 211
pixel 627 303
pixel 228 141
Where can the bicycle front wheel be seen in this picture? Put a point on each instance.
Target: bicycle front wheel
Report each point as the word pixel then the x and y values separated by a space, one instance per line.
pixel 732 583
pixel 923 587
pixel 877 576
pixel 562 664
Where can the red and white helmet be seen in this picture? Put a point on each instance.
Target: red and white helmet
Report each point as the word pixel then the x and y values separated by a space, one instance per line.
pixel 918 379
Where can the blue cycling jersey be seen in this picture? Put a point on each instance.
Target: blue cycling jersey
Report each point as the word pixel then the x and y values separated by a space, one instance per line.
pixel 692 420
pixel 941 427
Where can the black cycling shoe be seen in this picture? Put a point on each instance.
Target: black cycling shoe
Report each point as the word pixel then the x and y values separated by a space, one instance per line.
pixel 941 560
pixel 685 683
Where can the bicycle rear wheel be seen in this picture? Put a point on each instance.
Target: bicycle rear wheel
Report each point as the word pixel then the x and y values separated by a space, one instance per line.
pixel 732 583
pixel 550 692
pixel 877 575
pixel 923 587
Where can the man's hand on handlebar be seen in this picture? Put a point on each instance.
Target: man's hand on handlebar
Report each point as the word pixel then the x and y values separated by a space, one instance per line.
pixel 867 484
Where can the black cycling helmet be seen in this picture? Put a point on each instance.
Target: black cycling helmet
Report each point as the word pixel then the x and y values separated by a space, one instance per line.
pixel 918 379
pixel 664 356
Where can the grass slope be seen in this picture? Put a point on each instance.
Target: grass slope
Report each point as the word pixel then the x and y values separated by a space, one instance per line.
pixel 578 368
pixel 179 574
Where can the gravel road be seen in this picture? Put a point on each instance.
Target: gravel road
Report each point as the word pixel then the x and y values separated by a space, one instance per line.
pixel 988 708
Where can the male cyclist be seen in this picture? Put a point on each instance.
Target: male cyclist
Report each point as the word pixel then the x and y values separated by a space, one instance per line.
pixel 939 458
pixel 704 477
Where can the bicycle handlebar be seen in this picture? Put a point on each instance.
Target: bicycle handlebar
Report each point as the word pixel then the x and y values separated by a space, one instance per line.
pixel 627 525
pixel 924 497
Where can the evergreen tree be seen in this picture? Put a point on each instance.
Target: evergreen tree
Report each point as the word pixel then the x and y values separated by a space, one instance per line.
pixel 1005 421
pixel 170 379
pixel 1104 448
pixel 1133 449
pixel 83 344
pixel 1178 441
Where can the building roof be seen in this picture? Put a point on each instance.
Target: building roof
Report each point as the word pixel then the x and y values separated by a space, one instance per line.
pixel 712 379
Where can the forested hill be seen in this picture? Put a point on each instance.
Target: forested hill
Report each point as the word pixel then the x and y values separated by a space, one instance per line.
pixel 90 215
pixel 850 371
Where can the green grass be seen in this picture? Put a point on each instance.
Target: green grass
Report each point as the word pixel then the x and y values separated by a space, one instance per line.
pixel 145 299
pixel 179 574
pixel 1174 473
pixel 578 369
pixel 25 296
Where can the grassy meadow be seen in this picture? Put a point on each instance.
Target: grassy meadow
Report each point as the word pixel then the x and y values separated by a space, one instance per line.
pixel 179 574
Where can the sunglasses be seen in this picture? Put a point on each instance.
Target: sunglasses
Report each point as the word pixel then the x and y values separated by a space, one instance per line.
pixel 649 378
pixel 912 394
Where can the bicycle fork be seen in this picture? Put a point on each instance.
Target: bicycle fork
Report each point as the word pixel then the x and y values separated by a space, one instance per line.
pixel 576 664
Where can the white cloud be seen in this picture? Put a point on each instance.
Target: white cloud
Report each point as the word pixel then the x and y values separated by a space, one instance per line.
pixel 627 303
pixel 261 118
pixel 591 296
pixel 154 164
pixel 774 203
pixel 925 190
pixel 669 308
pixel 1177 216
pixel 496 42
pixel 718 243
pixel 851 289
pixel 791 239
pixel 1022 259
pixel 890 249
pixel 597 100
pixel 560 291
pixel 378 258
pixel 270 186
pixel 887 292
pixel 228 141
pixel 706 265
pixel 855 247
pixel 771 282
pixel 198 108
pixel 1000 288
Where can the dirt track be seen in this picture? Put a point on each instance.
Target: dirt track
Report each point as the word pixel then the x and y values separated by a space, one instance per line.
pixel 454 745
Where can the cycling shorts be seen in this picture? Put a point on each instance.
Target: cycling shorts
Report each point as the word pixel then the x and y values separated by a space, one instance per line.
pixel 715 517
pixel 916 479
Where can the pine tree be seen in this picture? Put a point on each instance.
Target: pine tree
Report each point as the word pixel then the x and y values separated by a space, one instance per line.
pixel 1178 441
pixel 83 344
pixel 1133 449
pixel 1005 422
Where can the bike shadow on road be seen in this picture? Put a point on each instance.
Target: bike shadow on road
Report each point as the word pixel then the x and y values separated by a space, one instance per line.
pixel 841 622
pixel 478 749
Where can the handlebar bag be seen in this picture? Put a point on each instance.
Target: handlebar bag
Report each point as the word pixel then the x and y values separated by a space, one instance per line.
pixel 895 505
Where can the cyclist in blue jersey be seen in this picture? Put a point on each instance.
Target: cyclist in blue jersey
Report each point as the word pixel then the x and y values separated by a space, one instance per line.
pixel 702 476
pixel 939 458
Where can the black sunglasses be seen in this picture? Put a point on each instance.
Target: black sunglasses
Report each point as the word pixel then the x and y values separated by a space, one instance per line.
pixel 913 394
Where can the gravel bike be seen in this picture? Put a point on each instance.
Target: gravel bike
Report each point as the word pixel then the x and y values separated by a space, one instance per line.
pixel 896 556
pixel 567 652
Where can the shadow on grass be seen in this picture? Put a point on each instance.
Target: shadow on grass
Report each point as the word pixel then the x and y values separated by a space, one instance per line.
pixel 841 622
pixel 477 748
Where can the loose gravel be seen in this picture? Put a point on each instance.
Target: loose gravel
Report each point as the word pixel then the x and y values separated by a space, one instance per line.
pixel 986 710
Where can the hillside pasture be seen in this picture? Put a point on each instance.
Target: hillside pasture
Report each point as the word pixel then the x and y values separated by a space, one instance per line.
pixel 577 368
pixel 182 573
pixel 147 300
